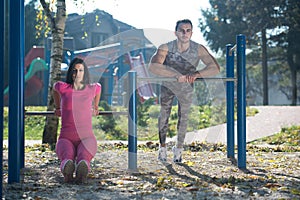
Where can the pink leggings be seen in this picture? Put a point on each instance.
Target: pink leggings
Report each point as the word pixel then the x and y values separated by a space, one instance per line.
pixel 84 149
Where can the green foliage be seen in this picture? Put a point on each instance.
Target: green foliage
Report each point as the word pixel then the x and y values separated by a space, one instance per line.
pixel 200 117
pixel 5 123
pixel 142 111
pixel 105 127
pixel 278 67
pixel 33 125
pixel 288 136
pixel 108 124
pixel 205 116
pixel 280 20
pixel 114 127
pixel 30 26
pixel 228 18
pixel 211 115
pixel 202 92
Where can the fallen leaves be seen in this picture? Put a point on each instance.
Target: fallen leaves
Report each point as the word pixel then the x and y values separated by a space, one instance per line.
pixel 202 174
pixel 189 163
pixel 295 191
pixel 272 185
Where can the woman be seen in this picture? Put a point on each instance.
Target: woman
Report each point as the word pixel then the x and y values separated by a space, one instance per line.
pixel 76 101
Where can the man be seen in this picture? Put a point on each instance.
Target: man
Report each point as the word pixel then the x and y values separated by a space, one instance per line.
pixel 179 59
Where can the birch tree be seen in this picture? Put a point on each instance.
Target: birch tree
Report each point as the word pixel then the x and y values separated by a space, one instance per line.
pixel 57 21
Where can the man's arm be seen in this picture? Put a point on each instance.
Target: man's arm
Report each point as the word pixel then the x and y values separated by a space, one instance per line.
pixel 212 68
pixel 156 65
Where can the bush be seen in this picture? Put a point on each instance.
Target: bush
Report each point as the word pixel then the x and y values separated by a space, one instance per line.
pixel 108 124
pixel 115 127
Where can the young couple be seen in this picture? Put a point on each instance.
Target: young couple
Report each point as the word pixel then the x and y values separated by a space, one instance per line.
pixel 77 101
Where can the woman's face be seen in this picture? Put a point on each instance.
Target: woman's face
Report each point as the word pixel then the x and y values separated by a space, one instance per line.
pixel 78 73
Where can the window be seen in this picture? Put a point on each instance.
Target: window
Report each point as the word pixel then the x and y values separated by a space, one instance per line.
pixel 97 38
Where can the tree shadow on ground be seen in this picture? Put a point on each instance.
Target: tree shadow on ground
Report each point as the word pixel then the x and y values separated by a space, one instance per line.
pixel 247 186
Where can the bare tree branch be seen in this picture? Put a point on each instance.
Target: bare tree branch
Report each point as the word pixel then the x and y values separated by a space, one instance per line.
pixel 48 14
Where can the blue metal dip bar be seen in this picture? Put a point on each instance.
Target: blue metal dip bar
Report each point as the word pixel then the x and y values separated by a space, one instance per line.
pixel 16 92
pixel 2 30
pixel 241 100
pixel 132 122
pixel 230 100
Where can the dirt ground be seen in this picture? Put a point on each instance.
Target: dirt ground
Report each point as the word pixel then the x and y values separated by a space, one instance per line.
pixel 206 173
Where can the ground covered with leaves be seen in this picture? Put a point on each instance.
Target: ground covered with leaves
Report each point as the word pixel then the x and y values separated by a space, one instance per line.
pixel 273 172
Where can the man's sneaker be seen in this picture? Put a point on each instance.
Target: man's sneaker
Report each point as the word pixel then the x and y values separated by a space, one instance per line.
pixel 68 170
pixel 82 172
pixel 177 154
pixel 162 154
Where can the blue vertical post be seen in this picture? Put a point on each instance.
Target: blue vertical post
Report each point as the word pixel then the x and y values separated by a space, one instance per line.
pixel 47 53
pixel 22 76
pixel 241 100
pixel 230 100
pixel 2 30
pixel 16 89
pixel 132 122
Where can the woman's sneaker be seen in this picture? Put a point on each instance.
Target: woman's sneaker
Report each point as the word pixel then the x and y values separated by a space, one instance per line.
pixel 68 170
pixel 162 154
pixel 82 172
pixel 177 154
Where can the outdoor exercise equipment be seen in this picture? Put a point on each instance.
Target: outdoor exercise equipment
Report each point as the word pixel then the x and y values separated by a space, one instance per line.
pixel 16 91
pixel 240 47
pixel 133 80
pixel 45 113
pixel 16 100
pixel 2 28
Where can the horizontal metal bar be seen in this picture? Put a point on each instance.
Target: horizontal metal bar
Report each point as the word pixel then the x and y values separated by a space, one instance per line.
pixel 45 113
pixel 174 79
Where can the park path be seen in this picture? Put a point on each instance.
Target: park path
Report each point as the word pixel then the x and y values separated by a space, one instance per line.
pixel 268 121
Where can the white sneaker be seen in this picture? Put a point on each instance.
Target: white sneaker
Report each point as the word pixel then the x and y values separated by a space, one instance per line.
pixel 68 170
pixel 162 154
pixel 82 171
pixel 177 154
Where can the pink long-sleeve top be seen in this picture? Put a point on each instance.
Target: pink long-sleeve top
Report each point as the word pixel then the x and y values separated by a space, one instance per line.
pixel 76 109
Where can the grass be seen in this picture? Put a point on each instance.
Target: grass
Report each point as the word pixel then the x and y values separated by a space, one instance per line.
pixel 289 136
pixel 287 140
pixel 33 125
pixel 200 117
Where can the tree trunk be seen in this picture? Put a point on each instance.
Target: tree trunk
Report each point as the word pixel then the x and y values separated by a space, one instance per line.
pixel 265 68
pixel 57 29
pixel 294 87
pixel 292 61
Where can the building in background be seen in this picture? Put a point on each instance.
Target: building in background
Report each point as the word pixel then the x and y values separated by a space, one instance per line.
pixel 92 29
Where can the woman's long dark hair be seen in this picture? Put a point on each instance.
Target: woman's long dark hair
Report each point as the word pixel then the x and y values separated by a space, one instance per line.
pixel 86 76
